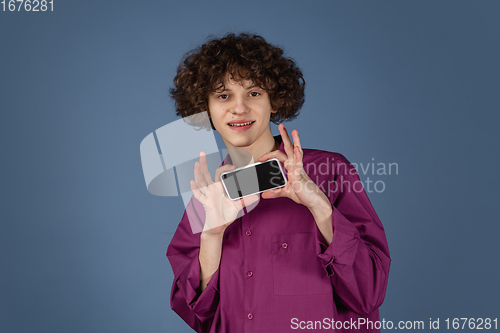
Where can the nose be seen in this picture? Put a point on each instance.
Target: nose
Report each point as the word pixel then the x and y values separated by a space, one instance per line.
pixel 240 106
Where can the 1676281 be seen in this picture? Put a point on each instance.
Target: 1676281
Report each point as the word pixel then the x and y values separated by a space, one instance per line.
pixel 27 5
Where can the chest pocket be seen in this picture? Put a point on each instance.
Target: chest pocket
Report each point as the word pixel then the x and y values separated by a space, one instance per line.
pixel 296 267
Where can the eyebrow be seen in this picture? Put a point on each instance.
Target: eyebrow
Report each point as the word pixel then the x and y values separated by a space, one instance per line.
pixel 227 89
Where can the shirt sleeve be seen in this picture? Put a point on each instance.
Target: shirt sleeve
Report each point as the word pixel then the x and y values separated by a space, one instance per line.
pixel 197 308
pixel 357 260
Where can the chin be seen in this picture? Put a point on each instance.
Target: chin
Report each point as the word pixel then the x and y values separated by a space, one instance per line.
pixel 241 142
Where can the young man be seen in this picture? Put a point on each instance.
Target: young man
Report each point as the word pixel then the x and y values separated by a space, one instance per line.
pixel 305 257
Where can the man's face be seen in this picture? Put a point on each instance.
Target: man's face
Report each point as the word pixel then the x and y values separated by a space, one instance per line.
pixel 240 103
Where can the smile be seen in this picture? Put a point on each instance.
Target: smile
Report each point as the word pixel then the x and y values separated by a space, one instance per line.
pixel 242 124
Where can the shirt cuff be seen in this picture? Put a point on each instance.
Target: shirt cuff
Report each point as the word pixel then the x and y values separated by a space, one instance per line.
pixel 203 304
pixel 342 250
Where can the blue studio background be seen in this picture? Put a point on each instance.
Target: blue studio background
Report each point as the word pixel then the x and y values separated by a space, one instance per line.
pixel 82 242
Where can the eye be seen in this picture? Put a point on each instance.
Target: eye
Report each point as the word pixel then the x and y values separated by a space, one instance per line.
pixel 223 96
pixel 254 93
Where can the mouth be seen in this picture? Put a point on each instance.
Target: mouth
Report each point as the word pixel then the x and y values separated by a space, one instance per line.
pixel 241 126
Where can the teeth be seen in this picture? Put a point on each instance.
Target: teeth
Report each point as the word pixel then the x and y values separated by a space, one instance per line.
pixel 242 124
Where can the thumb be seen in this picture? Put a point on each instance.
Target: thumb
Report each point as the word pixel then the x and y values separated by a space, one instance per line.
pixel 274 193
pixel 251 199
pixel 220 170
pixel 246 201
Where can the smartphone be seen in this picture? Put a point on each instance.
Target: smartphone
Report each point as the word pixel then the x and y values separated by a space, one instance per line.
pixel 254 178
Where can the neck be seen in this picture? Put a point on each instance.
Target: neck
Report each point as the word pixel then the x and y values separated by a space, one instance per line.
pixel 241 156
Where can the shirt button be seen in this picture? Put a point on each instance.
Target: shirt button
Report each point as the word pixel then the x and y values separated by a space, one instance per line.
pixel 248 232
pixel 250 273
pixel 284 245
pixel 250 316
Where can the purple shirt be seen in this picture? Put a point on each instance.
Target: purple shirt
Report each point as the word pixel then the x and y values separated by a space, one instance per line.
pixel 277 273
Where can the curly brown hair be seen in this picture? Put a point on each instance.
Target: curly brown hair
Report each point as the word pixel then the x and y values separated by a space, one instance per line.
pixel 243 57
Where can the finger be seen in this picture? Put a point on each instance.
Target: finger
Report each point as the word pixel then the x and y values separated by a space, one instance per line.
pixel 296 139
pixel 274 193
pixel 198 177
pixel 281 156
pixel 222 169
pixel 196 192
pixel 299 154
pixel 246 201
pixel 250 199
pixel 286 141
pixel 204 168
pixel 298 168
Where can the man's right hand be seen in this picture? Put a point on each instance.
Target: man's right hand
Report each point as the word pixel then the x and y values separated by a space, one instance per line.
pixel 219 209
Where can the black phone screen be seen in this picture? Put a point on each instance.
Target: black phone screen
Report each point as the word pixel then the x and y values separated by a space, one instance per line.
pixel 253 179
